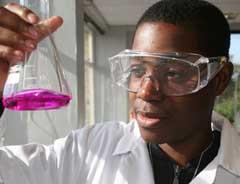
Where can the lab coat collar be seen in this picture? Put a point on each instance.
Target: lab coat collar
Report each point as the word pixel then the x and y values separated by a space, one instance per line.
pixel 228 152
pixel 227 156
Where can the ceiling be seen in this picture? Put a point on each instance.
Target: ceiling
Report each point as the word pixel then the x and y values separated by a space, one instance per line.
pixel 127 12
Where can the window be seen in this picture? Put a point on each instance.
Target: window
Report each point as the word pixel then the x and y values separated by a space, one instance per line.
pixel 89 75
pixel 234 49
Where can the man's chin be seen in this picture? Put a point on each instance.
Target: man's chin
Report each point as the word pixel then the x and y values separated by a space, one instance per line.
pixel 153 137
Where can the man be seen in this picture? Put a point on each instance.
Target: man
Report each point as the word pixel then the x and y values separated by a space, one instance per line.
pixel 171 91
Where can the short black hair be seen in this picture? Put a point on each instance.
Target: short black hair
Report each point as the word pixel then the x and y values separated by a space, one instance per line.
pixel 199 16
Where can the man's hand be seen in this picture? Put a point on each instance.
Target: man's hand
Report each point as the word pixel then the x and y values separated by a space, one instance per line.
pixel 20 32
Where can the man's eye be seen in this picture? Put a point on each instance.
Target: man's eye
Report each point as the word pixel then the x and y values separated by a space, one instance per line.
pixel 174 75
pixel 137 72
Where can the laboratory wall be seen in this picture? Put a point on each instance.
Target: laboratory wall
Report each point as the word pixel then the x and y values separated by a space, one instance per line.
pixel 110 101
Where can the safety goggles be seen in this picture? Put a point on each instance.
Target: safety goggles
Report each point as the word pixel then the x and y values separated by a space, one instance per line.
pixel 173 74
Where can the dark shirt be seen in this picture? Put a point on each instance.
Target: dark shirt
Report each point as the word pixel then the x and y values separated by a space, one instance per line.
pixel 166 171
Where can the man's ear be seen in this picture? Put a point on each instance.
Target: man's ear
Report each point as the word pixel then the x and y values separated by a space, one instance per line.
pixel 223 78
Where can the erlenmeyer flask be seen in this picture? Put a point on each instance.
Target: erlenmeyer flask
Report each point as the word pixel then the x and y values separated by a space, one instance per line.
pixel 38 82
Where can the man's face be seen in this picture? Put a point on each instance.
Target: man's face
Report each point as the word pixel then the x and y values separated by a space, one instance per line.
pixel 169 119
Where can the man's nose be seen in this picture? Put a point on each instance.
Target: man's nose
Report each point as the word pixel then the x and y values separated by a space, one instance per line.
pixel 150 89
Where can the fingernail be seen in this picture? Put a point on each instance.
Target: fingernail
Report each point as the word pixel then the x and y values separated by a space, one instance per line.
pixel 18 53
pixel 32 18
pixel 29 44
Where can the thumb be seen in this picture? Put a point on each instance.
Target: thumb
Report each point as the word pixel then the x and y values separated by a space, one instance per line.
pixel 48 26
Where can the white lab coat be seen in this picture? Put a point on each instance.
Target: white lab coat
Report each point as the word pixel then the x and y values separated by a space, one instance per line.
pixel 109 153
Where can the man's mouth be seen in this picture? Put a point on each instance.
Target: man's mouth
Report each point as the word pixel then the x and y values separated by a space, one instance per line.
pixel 150 120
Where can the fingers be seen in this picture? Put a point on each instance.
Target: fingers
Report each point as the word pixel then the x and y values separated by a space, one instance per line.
pixel 21 20
pixel 17 41
pixel 23 12
pixel 46 27
pixel 3 77
pixel 13 22
pixel 21 30
pixel 20 42
pixel 10 55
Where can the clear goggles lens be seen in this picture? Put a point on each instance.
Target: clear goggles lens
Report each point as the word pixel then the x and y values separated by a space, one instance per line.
pixel 173 74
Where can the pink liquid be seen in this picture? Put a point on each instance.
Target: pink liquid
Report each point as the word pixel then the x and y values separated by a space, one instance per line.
pixel 36 99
